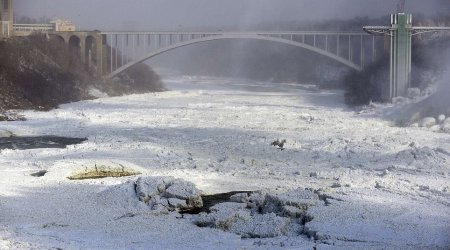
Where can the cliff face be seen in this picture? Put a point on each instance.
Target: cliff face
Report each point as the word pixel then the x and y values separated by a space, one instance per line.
pixel 37 73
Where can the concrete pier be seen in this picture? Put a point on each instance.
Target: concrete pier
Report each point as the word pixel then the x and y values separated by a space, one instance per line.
pixel 400 63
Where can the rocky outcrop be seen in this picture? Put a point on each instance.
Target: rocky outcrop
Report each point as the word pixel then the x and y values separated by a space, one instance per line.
pixel 167 194
pixel 261 215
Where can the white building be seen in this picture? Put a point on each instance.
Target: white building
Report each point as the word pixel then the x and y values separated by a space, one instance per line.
pixel 62 25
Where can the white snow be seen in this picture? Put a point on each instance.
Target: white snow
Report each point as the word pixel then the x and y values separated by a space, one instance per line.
pixel 382 186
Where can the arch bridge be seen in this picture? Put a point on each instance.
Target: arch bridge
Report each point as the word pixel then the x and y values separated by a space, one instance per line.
pixel 125 49
pixel 110 53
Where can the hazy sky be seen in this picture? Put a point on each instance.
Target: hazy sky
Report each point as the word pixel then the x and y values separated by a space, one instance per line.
pixel 176 14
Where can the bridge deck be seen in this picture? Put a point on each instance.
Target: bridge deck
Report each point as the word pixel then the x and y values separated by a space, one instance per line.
pixel 330 33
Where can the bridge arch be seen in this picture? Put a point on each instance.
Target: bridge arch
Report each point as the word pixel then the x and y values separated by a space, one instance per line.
pixel 75 44
pixel 57 38
pixel 228 37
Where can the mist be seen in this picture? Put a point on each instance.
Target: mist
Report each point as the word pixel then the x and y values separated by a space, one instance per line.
pixel 204 14
pixel 430 97
pixel 438 103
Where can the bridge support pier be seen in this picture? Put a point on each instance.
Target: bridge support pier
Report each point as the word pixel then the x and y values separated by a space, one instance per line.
pixel 400 32
pixel 104 55
pixel 82 50
pixel 400 64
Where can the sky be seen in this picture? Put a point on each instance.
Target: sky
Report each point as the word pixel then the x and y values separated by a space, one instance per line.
pixel 187 14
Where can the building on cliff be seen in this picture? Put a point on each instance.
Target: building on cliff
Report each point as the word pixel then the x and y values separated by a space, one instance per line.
pixel 62 25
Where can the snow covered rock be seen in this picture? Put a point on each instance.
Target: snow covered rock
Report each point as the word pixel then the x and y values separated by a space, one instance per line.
pixel 257 200
pixel 307 117
pixel 148 187
pixel 121 197
pixel 413 93
pixel 97 93
pixel 445 127
pixel 297 198
pixel 168 194
pixel 435 128
pixel 428 122
pixel 293 212
pixel 181 190
pixel 261 226
pixel 400 100
pixel 236 218
pixel 263 216
pixel 229 209
pixel 177 203
pixel 423 157
pixel 441 118
pixel 284 203
pixel 240 198
pixel 222 215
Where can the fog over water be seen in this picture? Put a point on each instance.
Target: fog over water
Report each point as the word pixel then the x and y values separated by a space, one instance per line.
pixel 191 14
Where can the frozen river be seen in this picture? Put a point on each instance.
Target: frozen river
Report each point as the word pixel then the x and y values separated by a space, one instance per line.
pixel 384 186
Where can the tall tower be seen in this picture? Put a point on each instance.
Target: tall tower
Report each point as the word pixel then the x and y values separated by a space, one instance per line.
pixel 400 32
pixel 6 18
pixel 400 54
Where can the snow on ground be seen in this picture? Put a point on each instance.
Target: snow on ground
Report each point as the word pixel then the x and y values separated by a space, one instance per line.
pixel 381 186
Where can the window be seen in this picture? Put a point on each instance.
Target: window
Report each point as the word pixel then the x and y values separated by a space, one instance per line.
pixel 5 4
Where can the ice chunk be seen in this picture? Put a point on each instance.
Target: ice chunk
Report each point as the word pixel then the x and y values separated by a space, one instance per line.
pixel 5 133
pixel 240 198
pixel 428 122
pixel 148 187
pixel 173 194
